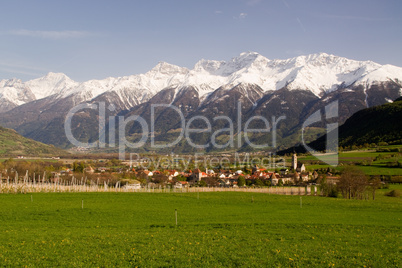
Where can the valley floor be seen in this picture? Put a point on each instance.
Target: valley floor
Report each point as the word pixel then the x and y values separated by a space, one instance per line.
pixel 213 229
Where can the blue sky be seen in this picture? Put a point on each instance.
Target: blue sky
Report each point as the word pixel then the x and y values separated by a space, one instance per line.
pixel 96 39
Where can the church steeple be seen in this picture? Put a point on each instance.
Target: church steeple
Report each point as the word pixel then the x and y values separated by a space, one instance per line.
pixel 294 161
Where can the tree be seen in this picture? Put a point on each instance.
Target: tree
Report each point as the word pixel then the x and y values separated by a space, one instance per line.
pixel 181 178
pixel 246 170
pixel 115 162
pixel 50 168
pixel 353 183
pixel 259 183
pixel 296 178
pixel 160 179
pixel 211 181
pixel 323 185
pixel 241 181
pixel 78 167
pixel 9 163
pixel 202 183
pixel 81 167
pixel 374 184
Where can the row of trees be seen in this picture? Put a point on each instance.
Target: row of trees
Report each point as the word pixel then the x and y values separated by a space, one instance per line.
pixel 11 166
pixel 40 166
pixel 44 170
pixel 353 184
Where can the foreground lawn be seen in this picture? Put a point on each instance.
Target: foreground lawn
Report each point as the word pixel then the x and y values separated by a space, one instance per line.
pixel 214 229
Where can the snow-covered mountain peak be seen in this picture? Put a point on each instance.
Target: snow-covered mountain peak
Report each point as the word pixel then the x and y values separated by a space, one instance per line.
pixel 316 59
pixel 14 92
pixel 50 84
pixel 319 73
pixel 209 66
pixel 247 59
pixel 55 76
pixel 164 68
pixel 10 82
pixel 328 61
pixel 238 63
pixel 382 74
pixel 247 56
pixel 320 56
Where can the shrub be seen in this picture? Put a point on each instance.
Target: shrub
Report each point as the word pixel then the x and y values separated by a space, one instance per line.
pixel 385 186
pixel 394 193
pixel 396 179
pixel 333 192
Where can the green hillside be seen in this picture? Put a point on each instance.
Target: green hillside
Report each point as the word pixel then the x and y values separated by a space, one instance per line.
pixel 12 144
pixel 379 124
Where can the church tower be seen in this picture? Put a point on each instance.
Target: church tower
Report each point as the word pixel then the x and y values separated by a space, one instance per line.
pixel 294 161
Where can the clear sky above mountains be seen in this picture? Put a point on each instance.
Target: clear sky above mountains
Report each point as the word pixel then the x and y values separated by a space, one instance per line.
pixel 97 39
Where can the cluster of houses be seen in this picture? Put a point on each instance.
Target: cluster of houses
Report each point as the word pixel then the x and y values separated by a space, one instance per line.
pixel 88 170
pixel 295 175
pixel 228 178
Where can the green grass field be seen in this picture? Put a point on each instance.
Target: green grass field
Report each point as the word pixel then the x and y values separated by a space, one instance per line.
pixel 218 229
pixel 378 167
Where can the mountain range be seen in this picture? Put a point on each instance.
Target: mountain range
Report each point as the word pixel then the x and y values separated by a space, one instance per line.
pixel 293 88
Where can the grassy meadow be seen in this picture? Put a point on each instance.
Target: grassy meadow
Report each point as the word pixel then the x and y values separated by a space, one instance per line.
pixel 214 229
pixel 370 161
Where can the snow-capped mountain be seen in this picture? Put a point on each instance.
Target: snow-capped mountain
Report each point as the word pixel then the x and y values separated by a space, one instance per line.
pixel 319 73
pixel 14 92
pixel 50 84
pixel 294 88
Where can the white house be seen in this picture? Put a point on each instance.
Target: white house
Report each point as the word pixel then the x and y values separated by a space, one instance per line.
pixel 133 186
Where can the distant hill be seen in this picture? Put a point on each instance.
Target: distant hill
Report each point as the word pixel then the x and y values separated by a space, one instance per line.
pixel 372 125
pixel 13 144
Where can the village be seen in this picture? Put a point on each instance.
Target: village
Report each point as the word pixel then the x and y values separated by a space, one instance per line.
pixel 26 175
pixel 254 177
pixel 133 178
